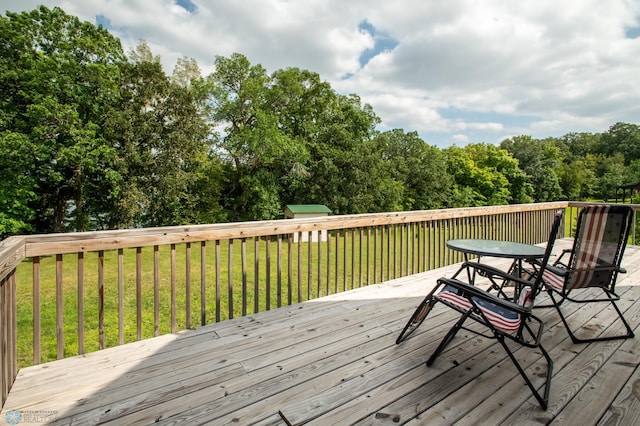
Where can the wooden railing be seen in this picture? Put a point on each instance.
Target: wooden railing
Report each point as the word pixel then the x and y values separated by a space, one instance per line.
pixel 128 285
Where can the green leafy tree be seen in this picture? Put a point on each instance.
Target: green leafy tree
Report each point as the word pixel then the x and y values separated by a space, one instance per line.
pixel 344 163
pixel 301 102
pixel 632 175
pixel 420 169
pixel 17 186
pixel 622 138
pixel 540 160
pixel 576 146
pixel 476 184
pixel 342 166
pixel 485 175
pixel 369 184
pixel 161 135
pixel 500 161
pixel 577 179
pixel 60 78
pixel 610 172
pixel 290 138
pixel 211 182
pixel 252 142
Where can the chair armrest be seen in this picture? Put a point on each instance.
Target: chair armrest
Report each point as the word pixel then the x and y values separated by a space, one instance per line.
pixel 471 291
pixel 601 269
pixel 559 261
pixel 558 268
pixel 560 271
pixel 490 271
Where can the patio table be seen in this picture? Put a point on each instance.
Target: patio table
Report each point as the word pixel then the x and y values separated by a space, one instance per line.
pixel 496 248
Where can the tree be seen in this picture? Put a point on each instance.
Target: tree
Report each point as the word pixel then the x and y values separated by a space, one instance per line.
pixel 479 185
pixel 17 186
pixel 343 164
pixel 302 104
pixel 540 160
pixel 486 175
pixel 576 146
pixel 60 77
pixel 577 179
pixel 420 169
pixel 161 135
pixel 290 138
pixel 252 142
pixel 610 173
pixel 500 161
pixel 185 72
pixel 623 138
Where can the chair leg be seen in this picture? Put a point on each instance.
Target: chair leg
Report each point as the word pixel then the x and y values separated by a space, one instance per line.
pixel 418 316
pixel 543 399
pixel 450 335
pixel 575 339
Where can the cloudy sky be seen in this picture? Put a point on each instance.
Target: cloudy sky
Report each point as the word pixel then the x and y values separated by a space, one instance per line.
pixel 455 71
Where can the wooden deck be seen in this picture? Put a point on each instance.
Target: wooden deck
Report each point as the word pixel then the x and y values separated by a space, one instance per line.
pixel 334 361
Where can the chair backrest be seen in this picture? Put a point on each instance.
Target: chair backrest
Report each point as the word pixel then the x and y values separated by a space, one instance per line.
pixel 528 295
pixel 555 227
pixel 601 237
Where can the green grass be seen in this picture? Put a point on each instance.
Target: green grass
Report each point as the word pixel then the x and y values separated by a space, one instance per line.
pixel 283 288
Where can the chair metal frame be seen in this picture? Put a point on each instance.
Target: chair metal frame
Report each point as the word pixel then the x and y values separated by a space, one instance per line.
pixel 477 304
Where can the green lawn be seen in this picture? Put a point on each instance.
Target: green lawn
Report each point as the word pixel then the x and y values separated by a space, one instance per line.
pixel 283 288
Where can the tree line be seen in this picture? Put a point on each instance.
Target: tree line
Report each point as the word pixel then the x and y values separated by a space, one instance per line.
pixel 93 138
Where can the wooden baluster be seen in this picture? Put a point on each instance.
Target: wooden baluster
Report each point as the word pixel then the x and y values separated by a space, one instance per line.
pixel 80 296
pixel 300 273
pixel 328 262
pixel 337 259
pixel 156 291
pixel 368 255
pixel 256 274
pixel 279 270
pixel 173 288
pixel 120 296
pixel 203 285
pixel 268 271
pixel 187 287
pixel 360 271
pixel 320 242
pixel 218 282
pixel 289 269
pixel 59 307
pixel 139 292
pixel 230 278
pixel 243 255
pixel 36 310
pixel 101 299
pixel 310 261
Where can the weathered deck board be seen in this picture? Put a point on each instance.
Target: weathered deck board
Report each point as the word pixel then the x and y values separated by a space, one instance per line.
pixel 334 361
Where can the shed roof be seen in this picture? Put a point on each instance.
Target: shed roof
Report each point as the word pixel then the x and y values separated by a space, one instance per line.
pixel 308 208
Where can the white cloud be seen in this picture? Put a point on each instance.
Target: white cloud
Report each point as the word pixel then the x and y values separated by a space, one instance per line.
pixel 460 139
pixel 462 70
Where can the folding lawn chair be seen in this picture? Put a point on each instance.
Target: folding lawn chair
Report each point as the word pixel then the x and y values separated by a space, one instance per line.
pixel 503 319
pixel 594 263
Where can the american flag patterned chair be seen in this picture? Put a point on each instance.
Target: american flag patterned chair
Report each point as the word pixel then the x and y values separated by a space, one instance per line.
pixel 503 319
pixel 590 274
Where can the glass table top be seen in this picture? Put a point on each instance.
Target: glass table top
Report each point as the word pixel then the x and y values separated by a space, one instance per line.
pixel 496 248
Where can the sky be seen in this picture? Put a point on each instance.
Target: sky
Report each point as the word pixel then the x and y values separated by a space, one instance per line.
pixel 455 71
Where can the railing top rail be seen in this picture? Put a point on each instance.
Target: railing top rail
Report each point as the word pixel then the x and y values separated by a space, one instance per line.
pixel 48 244
pixel 14 249
pixel 12 252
